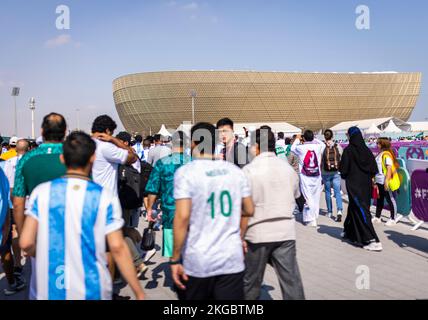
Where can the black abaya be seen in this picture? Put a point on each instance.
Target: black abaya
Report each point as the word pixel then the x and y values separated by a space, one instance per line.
pixel 357 167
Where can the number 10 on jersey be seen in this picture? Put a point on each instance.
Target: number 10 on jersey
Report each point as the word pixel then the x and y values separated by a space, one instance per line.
pixel 223 198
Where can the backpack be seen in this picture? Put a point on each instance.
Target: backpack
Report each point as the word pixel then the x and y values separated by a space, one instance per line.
pixel 129 188
pixel 310 166
pixel 394 183
pixel 331 159
pixel 146 170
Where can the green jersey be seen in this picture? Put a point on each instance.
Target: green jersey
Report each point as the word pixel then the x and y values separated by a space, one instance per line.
pixel 161 182
pixel 38 166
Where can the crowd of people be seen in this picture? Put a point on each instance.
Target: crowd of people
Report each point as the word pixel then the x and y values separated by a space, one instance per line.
pixel 226 208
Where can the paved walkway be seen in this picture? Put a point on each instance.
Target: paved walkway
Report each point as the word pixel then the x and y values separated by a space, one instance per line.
pixel 328 266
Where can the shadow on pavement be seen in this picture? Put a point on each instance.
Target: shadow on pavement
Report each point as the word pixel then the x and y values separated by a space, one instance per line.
pixel 408 241
pixel 163 267
pixel 264 294
pixel 331 231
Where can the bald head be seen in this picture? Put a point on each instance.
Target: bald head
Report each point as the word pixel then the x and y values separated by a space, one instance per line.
pixel 22 146
pixel 54 128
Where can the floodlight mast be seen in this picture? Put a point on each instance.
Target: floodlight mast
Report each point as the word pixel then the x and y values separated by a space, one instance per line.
pixel 15 93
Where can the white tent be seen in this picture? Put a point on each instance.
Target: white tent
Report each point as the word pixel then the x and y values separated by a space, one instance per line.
pixel 185 127
pixel 285 127
pixel 164 132
pixel 373 129
pixel 420 126
pixel 392 128
pixel 367 123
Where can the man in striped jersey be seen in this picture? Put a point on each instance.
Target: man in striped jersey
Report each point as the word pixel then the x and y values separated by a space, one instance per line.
pixel 67 222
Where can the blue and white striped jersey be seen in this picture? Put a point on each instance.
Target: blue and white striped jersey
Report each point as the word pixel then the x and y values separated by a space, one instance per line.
pixel 74 216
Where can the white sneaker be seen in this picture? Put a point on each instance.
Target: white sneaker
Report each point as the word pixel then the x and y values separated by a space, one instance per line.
pixel 313 224
pixel 329 214
pixel 339 213
pixel 376 220
pixel 390 223
pixel 149 255
pixel 374 246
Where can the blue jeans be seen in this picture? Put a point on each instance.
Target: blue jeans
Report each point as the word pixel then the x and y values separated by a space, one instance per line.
pixel 332 180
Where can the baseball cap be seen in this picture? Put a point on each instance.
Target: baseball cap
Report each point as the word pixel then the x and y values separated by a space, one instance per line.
pixel 13 141
pixel 39 141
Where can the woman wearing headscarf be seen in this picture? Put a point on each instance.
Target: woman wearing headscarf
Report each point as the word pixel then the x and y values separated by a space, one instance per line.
pixel 358 167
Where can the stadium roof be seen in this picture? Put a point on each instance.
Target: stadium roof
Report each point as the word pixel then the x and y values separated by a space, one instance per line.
pixel 307 100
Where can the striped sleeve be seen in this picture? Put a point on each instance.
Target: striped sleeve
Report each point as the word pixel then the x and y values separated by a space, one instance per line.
pixel 33 204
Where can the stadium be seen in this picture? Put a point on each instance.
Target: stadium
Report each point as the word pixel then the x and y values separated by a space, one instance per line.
pixel 146 101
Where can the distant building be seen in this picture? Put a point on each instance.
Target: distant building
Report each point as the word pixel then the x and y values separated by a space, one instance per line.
pixel 316 101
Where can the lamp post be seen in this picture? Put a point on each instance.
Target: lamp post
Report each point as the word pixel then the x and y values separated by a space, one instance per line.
pixel 193 95
pixel 78 119
pixel 15 93
pixel 32 105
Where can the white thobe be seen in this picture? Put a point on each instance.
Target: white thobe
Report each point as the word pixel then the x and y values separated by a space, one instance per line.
pixel 311 187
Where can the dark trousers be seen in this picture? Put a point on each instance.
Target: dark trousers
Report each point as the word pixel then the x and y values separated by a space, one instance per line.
pixel 224 287
pixel 301 203
pixel 390 198
pixel 282 256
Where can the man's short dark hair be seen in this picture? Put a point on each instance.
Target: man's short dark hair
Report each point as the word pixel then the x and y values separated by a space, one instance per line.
pixel 266 127
pixel 264 136
pixel 124 136
pixel 203 130
pixel 102 123
pixel 139 138
pixel 287 141
pixel 308 135
pixel 54 127
pixel 78 148
pixel 146 142
pixel 157 137
pixel 224 122
pixel 280 135
pixel 179 139
pixel 328 134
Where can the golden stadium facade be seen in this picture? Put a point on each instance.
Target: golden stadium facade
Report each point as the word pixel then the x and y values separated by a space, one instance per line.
pixel 145 101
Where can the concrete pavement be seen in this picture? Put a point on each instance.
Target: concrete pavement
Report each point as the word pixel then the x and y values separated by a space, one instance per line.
pixel 330 268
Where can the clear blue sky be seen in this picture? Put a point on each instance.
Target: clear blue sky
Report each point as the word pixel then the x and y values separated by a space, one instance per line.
pixel 70 69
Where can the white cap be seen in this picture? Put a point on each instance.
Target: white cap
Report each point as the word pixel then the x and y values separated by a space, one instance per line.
pixel 39 141
pixel 13 141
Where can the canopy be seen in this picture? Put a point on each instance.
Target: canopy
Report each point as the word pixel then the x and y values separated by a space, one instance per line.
pixel 185 127
pixel 164 132
pixel 367 123
pixel 285 127
pixel 392 128
pixel 373 129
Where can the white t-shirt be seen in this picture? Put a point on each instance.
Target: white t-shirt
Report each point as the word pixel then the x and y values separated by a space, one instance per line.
pixel 10 169
pixel 380 177
pixel 157 153
pixel 105 168
pixel 216 188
